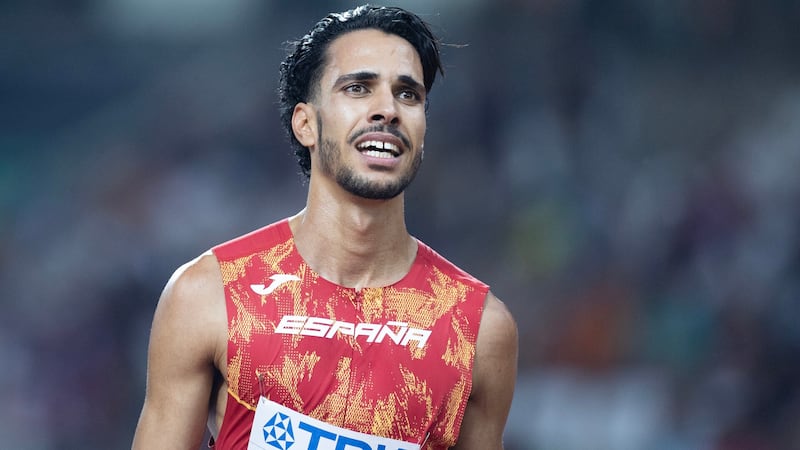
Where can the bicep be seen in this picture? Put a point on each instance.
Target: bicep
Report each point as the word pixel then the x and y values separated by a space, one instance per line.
pixel 494 375
pixel 180 369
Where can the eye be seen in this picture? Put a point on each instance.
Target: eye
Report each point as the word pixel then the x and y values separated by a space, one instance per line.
pixel 409 96
pixel 356 89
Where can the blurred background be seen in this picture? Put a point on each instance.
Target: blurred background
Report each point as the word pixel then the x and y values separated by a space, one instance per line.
pixel 624 173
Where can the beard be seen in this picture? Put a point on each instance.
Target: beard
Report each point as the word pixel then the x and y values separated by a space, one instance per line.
pixel 330 158
pixel 359 185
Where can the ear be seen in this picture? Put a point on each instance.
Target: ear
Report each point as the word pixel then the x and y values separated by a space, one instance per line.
pixel 304 124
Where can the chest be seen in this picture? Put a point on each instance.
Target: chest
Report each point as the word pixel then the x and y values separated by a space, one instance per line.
pixel 374 360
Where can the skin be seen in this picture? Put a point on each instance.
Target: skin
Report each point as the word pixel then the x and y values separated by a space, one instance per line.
pixel 372 81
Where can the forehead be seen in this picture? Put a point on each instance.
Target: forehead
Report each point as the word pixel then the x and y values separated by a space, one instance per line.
pixel 371 50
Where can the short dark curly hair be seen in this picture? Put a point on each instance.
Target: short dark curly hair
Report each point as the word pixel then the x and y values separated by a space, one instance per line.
pixel 303 66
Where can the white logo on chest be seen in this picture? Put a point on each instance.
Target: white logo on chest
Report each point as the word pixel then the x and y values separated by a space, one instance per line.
pixel 277 280
pixel 398 332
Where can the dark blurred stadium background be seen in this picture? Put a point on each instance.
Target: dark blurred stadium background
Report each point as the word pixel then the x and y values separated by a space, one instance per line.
pixel 624 173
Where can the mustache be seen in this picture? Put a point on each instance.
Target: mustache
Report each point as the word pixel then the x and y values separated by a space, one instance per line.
pixel 380 129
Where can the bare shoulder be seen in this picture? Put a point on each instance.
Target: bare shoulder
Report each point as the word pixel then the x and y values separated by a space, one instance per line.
pixel 498 327
pixel 496 347
pixel 192 304
pixel 493 378
pixel 186 341
pixel 196 276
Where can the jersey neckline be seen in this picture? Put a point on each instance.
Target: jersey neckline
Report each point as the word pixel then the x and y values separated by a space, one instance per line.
pixel 419 262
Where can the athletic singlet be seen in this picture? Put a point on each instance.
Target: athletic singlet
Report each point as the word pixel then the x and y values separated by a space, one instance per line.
pixel 394 361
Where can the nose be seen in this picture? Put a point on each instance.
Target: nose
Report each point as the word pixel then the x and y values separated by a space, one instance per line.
pixel 383 108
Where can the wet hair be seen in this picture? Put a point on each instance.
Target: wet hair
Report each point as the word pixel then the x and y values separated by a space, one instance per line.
pixel 302 69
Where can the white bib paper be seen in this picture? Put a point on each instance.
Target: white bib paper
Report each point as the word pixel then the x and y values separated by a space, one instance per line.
pixel 278 427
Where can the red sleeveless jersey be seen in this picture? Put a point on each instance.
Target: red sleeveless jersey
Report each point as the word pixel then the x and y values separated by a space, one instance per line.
pixel 394 361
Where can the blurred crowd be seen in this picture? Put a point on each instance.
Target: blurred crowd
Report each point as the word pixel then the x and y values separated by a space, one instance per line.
pixel 623 173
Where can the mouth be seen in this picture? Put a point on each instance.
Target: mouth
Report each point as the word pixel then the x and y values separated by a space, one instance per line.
pixel 379 149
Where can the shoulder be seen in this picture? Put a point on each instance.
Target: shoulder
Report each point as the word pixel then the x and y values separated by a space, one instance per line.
pixel 493 378
pixel 195 282
pixel 192 306
pixel 187 340
pixel 496 350
pixel 498 329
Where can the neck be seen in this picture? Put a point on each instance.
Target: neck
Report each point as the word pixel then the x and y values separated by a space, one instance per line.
pixel 354 242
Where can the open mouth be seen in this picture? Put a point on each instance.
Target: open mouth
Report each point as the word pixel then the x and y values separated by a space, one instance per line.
pixel 379 149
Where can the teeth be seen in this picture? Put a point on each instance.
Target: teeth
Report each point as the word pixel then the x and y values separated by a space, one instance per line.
pixel 380 145
pixel 378 154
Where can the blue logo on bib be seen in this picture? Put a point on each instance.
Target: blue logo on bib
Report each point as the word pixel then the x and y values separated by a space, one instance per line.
pixel 278 432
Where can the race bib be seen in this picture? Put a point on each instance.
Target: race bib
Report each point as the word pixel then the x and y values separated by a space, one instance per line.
pixel 278 427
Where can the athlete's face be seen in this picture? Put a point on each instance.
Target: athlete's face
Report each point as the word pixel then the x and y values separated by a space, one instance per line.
pixel 369 114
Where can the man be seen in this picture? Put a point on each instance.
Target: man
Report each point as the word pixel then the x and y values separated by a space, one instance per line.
pixel 335 328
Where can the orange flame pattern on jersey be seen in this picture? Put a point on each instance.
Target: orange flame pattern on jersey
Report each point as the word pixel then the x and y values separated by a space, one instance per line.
pixel 384 388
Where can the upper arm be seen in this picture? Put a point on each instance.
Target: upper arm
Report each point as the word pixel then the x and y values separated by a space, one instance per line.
pixel 184 343
pixel 494 375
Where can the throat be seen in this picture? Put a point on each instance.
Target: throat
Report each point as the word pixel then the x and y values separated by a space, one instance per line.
pixel 372 267
pixel 355 250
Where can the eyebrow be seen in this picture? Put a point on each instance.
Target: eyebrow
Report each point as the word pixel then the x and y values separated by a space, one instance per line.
pixel 355 76
pixel 369 76
pixel 412 83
